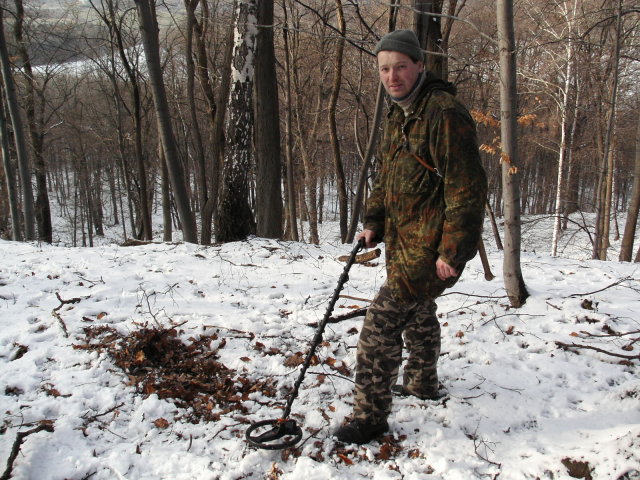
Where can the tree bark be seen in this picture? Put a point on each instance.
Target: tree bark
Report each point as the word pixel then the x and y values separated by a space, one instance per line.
pixel 149 30
pixel 603 200
pixel 10 178
pixel 28 210
pixel 292 224
pixel 267 129
pixel 235 220
pixel 626 248
pixel 333 129
pixel 36 134
pixel 514 282
pixel 429 33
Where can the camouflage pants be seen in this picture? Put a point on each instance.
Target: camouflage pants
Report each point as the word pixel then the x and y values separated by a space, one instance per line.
pixel 379 353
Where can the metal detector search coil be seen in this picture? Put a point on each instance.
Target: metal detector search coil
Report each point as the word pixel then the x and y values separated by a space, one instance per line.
pixel 285 432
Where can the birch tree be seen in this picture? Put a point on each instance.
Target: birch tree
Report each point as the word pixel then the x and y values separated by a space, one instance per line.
pixel 235 218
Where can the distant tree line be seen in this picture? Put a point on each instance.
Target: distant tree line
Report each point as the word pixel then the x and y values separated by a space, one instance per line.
pixel 249 117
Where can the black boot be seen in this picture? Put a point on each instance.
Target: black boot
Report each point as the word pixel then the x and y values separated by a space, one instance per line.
pixel 358 431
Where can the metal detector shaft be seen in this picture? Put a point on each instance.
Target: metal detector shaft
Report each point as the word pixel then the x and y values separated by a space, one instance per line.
pixel 344 278
pixel 286 428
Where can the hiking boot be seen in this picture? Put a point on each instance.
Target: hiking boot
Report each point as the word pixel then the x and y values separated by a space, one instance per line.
pixel 358 431
pixel 434 394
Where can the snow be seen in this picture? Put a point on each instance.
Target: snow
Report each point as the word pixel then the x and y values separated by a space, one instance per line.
pixel 519 406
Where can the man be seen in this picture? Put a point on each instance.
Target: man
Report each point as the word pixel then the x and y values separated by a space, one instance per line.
pixel 427 205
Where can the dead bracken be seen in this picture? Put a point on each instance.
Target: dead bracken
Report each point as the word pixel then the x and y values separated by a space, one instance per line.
pixel 190 374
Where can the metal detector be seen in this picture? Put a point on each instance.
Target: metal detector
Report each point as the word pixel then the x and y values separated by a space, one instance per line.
pixel 284 431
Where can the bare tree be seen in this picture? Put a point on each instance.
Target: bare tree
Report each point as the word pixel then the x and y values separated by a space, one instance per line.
pixel 290 193
pixel 626 248
pixel 114 22
pixel 605 180
pixel 514 282
pixel 149 30
pixel 18 135
pixel 267 129
pixel 35 124
pixel 10 178
pixel 333 130
pixel 428 29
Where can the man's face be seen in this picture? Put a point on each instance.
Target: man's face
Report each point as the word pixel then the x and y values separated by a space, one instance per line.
pixel 398 72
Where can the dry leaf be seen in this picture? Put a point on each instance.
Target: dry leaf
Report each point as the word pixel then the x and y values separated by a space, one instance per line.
pixel 161 423
pixel 294 360
pixel 345 459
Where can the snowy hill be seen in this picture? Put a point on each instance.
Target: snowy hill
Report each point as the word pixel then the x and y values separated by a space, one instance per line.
pixel 150 362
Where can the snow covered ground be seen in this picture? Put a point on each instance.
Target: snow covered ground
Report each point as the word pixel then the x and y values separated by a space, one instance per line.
pixel 519 406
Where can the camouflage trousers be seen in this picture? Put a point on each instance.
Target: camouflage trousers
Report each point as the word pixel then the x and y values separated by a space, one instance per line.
pixel 379 354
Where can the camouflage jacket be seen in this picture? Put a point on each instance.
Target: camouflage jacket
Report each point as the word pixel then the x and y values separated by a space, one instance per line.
pixel 422 213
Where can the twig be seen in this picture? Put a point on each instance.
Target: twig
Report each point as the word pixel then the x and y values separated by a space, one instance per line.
pixel 55 313
pixel 48 427
pixel 93 418
pixel 602 289
pixel 244 333
pixel 600 350
pixel 355 298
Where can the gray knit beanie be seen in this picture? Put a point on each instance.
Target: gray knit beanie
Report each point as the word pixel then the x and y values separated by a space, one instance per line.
pixel 403 41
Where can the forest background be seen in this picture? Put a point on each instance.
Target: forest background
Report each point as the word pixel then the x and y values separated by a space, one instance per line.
pixel 239 118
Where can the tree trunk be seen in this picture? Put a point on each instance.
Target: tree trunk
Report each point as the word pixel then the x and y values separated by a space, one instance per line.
pixel 429 33
pixel 167 224
pixel 292 225
pixel 235 220
pixel 513 280
pixel 626 248
pixel 605 179
pixel 35 127
pixel 10 178
pixel 195 133
pixel 267 129
pixel 149 31
pixel 19 137
pixel 333 129
pixel 563 150
pixel 215 115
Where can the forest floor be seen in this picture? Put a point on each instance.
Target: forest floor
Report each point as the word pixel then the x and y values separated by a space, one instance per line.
pixel 151 361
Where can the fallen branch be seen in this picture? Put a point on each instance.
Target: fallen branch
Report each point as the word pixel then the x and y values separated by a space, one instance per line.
pixel 46 426
pixel 602 289
pixel 600 350
pixel 55 313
